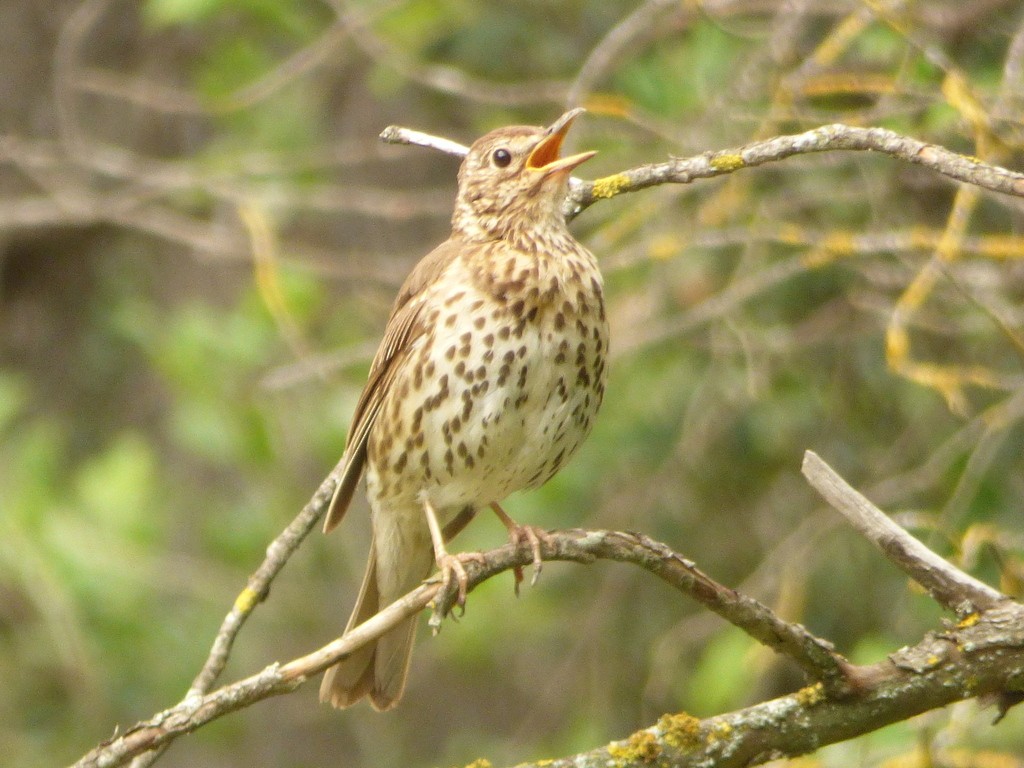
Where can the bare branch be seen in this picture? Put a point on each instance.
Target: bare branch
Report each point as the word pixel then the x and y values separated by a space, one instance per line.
pixel 947 584
pixel 813 655
pixel 396 134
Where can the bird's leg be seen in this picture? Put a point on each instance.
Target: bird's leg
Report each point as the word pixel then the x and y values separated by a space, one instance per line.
pixel 517 534
pixel 450 566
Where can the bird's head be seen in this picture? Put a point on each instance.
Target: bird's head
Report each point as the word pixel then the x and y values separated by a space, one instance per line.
pixel 513 181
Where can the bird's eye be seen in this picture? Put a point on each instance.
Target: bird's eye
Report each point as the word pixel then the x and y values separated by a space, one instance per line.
pixel 501 157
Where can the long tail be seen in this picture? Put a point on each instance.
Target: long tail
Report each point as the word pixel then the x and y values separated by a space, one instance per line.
pixel 379 670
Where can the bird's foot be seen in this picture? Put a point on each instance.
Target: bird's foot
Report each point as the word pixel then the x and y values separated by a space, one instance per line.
pixel 454 584
pixel 520 534
pixel 453 574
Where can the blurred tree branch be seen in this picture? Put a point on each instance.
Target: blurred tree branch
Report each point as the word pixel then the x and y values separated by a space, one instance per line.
pixel 983 655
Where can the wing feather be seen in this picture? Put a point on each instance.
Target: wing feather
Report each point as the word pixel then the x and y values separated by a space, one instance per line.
pixel 405 325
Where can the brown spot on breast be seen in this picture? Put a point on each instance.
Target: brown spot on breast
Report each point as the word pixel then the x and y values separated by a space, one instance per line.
pixel 478 323
pixel 558 460
pixel 454 298
pixel 450 352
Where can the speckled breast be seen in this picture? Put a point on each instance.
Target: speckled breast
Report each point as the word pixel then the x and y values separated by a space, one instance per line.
pixel 499 392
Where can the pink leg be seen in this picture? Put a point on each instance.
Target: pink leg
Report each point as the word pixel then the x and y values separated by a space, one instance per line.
pixel 518 534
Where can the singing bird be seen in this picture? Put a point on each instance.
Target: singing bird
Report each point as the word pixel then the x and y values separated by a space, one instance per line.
pixel 488 378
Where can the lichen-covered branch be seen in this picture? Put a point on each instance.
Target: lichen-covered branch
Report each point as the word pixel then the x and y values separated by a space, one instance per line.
pixel 974 659
pixel 827 138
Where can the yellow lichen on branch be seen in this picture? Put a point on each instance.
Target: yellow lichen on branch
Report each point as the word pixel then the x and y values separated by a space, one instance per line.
pixel 610 186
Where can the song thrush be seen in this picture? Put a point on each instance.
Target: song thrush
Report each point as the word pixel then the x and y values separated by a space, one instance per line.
pixel 488 378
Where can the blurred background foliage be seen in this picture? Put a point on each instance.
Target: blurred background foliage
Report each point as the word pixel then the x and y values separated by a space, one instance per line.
pixel 200 237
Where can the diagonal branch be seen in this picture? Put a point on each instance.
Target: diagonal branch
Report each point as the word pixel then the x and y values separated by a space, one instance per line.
pixel 258 586
pixel 947 584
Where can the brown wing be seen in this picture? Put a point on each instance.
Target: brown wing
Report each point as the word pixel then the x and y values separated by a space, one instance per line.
pixel 404 326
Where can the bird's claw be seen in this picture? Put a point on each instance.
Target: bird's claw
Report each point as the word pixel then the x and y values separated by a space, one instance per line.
pixel 454 584
pixel 520 534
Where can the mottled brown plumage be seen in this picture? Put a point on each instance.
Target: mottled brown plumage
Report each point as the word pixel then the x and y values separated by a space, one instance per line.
pixel 488 378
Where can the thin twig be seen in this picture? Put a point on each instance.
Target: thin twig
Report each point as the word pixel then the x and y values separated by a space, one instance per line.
pixel 947 584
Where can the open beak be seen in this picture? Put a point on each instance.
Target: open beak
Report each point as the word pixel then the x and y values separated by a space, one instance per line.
pixel 544 157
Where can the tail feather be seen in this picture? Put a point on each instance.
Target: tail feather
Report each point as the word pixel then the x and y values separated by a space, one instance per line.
pixel 377 670
pixel 352 678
